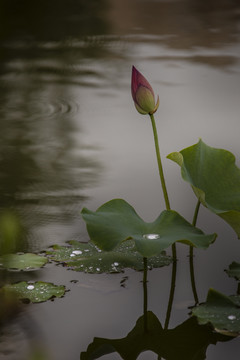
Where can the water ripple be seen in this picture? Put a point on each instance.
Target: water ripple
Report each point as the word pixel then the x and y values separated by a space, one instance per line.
pixel 48 108
pixel 43 107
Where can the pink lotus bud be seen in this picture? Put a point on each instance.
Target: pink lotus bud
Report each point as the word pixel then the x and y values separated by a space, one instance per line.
pixel 142 93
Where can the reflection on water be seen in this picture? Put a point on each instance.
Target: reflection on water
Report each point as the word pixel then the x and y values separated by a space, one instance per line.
pixel 51 48
pixel 66 138
pixel 52 20
pixel 187 341
pixel 183 24
pixel 43 173
pixel 43 170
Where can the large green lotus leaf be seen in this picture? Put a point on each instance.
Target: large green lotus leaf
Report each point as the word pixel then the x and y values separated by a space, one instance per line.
pixel 35 292
pixel 215 179
pixel 221 311
pixel 234 270
pixel 187 341
pixel 88 258
pixel 22 261
pixel 116 221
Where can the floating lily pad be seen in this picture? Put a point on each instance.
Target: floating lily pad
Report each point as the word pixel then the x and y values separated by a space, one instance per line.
pixel 22 261
pixel 116 221
pixel 37 291
pixel 234 270
pixel 221 311
pixel 215 179
pixel 88 258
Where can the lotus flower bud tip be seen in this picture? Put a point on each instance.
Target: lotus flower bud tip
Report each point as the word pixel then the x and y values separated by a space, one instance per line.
pixel 143 94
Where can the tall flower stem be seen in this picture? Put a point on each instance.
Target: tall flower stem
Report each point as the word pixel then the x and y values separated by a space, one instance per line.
pixel 161 174
pixel 160 168
pixel 195 216
pixel 191 256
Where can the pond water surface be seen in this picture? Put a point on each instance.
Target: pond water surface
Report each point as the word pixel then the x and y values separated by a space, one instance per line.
pixel 71 138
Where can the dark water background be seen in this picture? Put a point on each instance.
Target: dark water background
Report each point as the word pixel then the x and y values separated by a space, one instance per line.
pixel 71 137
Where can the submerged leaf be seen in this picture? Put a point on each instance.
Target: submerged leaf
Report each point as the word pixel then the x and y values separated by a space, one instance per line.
pixel 22 261
pixel 215 179
pixel 36 291
pixel 116 221
pixel 221 311
pixel 88 258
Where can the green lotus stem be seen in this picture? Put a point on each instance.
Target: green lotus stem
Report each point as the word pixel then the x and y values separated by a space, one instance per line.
pixel 195 216
pixel 145 296
pixel 172 290
pixel 160 168
pixel 191 256
pixel 161 174
pixel 167 203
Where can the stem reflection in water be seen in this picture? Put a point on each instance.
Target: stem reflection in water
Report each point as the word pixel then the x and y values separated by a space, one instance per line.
pixel 172 290
pixel 145 295
pixel 191 256
pixel 188 340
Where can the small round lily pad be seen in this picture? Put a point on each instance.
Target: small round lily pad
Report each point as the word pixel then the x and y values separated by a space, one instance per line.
pixel 26 261
pixel 86 257
pixel 221 311
pixel 35 292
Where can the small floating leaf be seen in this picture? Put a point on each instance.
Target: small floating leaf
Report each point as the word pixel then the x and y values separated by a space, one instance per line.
pixel 22 261
pixel 36 292
pixel 234 270
pixel 88 258
pixel 116 221
pixel 221 311
pixel 215 179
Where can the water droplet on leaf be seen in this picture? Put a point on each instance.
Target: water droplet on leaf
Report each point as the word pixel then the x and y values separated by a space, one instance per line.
pixel 77 252
pixel 30 287
pixel 151 236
